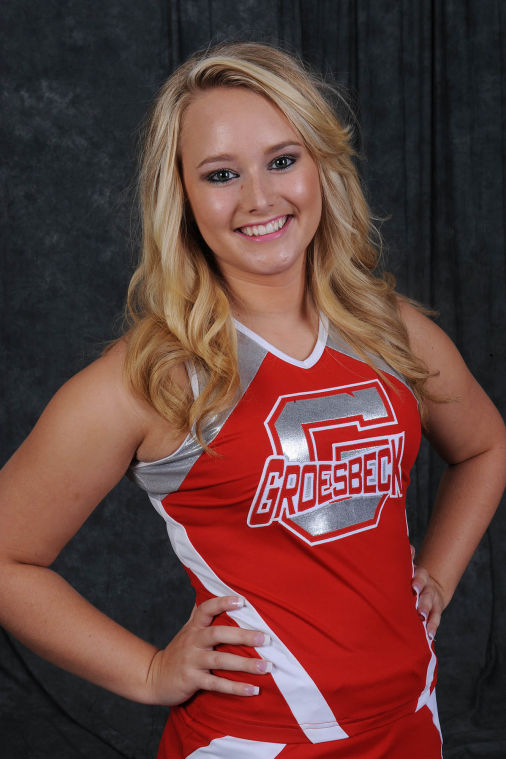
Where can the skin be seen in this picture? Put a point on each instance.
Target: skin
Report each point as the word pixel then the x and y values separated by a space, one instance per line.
pixel 242 172
pixel 260 181
pixel 69 474
pixel 469 434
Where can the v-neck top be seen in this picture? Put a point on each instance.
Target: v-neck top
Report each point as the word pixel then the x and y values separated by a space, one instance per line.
pixel 300 510
pixel 308 362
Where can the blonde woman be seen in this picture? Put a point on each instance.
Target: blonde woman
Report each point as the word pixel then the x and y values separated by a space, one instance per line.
pixel 268 397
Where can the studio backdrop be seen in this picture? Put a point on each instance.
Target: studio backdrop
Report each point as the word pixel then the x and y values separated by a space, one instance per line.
pixel 427 80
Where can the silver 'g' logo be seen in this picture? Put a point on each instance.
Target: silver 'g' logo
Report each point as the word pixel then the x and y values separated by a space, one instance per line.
pixel 336 460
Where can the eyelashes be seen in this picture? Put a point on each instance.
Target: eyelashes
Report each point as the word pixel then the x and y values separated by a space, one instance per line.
pixel 223 176
pixel 282 162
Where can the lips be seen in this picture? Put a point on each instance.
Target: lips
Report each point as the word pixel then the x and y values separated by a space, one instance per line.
pixel 262 230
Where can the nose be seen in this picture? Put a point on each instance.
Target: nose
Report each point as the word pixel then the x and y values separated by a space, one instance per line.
pixel 256 193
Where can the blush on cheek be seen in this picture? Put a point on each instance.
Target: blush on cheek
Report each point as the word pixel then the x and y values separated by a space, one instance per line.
pixel 301 189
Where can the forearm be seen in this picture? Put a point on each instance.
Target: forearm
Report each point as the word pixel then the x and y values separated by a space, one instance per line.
pixel 467 498
pixel 46 614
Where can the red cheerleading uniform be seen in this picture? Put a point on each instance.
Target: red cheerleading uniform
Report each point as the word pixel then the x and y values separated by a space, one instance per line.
pixel 301 512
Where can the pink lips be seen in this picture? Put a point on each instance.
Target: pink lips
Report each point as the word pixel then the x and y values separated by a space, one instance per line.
pixel 271 235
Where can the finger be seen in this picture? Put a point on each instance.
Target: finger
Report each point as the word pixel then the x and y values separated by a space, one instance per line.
pixel 420 579
pixel 222 685
pixel 425 604
pixel 209 609
pixel 412 551
pixel 433 624
pixel 231 662
pixel 431 605
pixel 234 636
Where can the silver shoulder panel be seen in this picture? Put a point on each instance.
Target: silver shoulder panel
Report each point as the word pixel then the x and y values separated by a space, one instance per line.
pixel 165 476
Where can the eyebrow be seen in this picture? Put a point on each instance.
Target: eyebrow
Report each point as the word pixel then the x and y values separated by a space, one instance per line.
pixel 272 149
pixel 216 159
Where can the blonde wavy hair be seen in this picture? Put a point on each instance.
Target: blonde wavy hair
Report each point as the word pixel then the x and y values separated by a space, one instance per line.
pixel 177 306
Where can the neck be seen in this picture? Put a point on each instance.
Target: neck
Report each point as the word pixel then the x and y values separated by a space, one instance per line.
pixel 282 312
pixel 275 298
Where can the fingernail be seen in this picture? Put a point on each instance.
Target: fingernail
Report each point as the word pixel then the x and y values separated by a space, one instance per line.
pixel 430 636
pixel 416 588
pixel 264 666
pixel 237 603
pixel 262 639
pixel 251 690
pixel 422 615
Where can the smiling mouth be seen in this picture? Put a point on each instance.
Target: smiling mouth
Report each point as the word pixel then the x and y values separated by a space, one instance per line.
pixel 261 230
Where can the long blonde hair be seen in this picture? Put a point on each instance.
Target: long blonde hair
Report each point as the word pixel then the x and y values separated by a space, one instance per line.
pixel 177 304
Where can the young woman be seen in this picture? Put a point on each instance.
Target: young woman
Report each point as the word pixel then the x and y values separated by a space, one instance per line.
pixel 268 397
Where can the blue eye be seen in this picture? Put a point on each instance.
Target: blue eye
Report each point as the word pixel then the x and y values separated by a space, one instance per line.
pixel 221 176
pixel 282 162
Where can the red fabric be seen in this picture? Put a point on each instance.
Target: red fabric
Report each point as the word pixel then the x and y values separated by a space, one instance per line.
pixel 342 603
pixel 413 737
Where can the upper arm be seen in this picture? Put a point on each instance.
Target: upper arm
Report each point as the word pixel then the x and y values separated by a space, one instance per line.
pixel 78 450
pixel 462 421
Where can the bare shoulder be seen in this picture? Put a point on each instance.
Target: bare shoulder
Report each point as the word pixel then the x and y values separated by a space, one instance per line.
pixel 427 340
pixel 98 396
pixel 450 377
pixel 91 426
pixel 99 404
pixel 79 449
pixel 462 420
pixel 102 391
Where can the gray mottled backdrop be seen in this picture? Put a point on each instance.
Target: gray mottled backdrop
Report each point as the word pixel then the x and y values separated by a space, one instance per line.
pixel 428 80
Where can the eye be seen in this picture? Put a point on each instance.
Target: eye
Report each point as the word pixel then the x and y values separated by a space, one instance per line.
pixel 282 162
pixel 221 176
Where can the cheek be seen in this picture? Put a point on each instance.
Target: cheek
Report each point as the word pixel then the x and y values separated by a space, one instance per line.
pixel 306 192
pixel 210 213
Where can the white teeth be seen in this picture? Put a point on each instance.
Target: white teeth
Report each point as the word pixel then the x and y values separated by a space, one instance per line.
pixel 265 229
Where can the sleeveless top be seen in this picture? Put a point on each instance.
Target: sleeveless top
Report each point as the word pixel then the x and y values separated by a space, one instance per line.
pixel 301 512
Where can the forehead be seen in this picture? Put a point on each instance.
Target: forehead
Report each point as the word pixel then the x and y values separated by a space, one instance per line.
pixel 230 119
